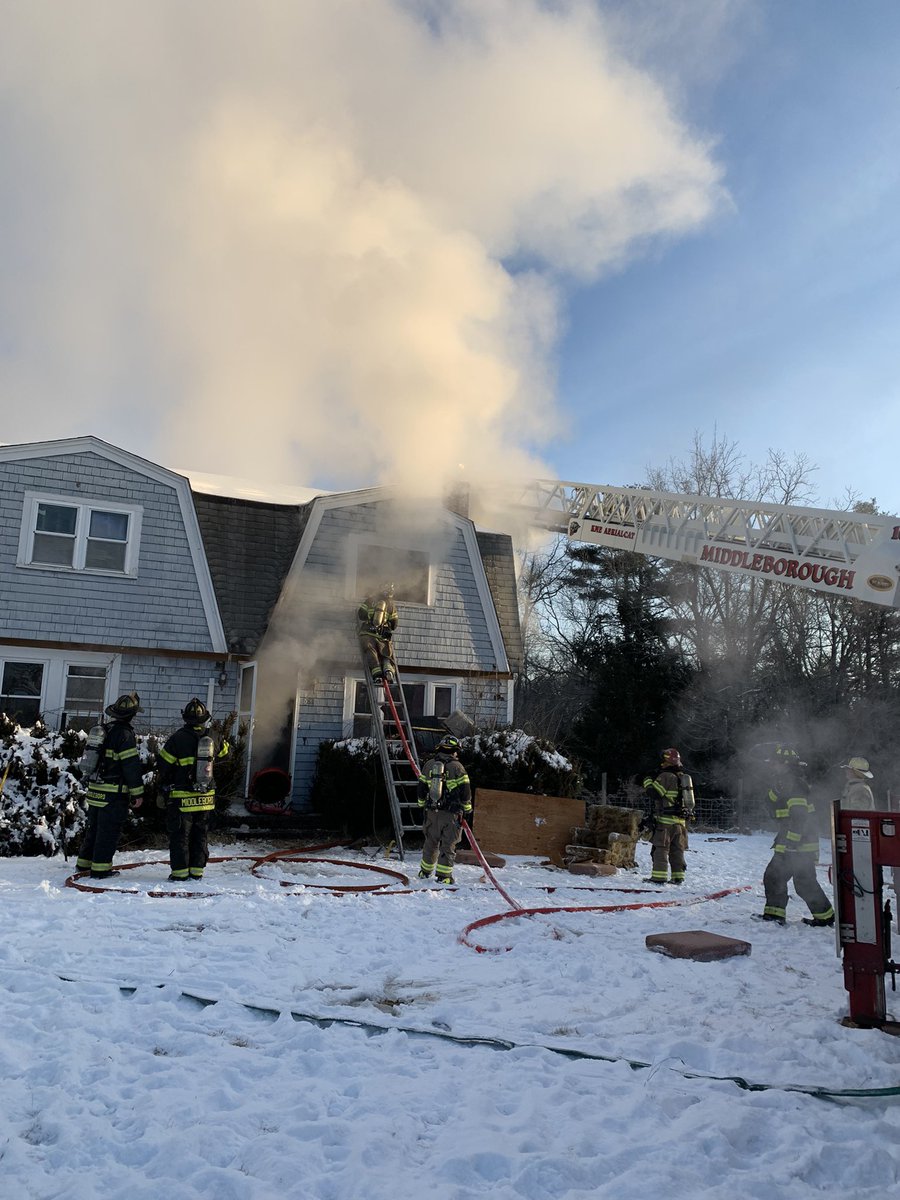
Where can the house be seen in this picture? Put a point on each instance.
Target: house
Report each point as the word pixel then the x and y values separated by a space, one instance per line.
pixel 117 574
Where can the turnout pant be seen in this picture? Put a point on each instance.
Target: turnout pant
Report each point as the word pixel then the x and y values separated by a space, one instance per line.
pixel 668 846
pixel 799 866
pixel 101 834
pixel 378 653
pixel 442 835
pixel 188 842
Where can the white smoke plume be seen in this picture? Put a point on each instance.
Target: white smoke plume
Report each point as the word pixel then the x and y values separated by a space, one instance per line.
pixel 324 242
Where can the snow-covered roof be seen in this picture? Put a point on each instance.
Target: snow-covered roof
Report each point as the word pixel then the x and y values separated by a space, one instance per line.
pixel 249 489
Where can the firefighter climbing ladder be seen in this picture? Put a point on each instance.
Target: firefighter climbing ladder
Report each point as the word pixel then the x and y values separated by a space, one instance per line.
pixel 393 734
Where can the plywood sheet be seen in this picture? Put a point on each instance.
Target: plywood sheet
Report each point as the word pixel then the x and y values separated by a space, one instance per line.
pixel 520 823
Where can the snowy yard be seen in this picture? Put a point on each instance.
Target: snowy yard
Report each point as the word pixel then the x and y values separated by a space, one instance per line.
pixel 333 1063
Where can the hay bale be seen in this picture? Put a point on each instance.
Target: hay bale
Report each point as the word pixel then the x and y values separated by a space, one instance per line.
pixel 576 853
pixel 621 853
pixel 582 836
pixel 604 819
pixel 613 830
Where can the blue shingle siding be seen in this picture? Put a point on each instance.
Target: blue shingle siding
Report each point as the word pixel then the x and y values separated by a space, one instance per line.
pixel 166 684
pixel 452 634
pixel 454 631
pixel 485 700
pixel 318 720
pixel 498 556
pixel 254 567
pixel 162 606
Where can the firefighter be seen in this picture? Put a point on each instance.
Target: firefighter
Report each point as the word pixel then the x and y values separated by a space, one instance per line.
pixel 445 794
pixel 857 793
pixel 114 784
pixel 376 621
pixel 186 780
pixel 795 850
pixel 671 795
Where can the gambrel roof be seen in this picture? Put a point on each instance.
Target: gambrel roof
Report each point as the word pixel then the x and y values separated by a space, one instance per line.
pixel 497 554
pixel 251 545
pixel 243 549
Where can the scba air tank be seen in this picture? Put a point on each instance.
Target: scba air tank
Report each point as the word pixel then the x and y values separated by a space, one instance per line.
pixel 90 758
pixel 203 777
pixel 687 794
pixel 436 782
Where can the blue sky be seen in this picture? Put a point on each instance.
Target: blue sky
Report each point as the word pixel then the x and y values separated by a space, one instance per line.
pixel 778 322
pixel 308 243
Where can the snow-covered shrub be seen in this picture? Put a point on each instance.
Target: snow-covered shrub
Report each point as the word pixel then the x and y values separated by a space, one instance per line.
pixel 512 761
pixel 349 789
pixel 42 803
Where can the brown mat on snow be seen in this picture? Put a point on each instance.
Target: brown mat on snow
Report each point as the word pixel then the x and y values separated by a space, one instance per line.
pixel 696 944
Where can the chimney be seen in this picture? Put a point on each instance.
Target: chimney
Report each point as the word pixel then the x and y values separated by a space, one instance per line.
pixel 456 498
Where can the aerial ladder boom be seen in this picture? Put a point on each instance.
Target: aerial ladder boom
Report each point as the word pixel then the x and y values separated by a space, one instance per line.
pixel 844 553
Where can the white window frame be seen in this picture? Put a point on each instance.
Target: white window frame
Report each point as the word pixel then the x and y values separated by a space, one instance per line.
pixel 248 672
pixel 357 541
pixel 352 681
pixel 84 506
pixel 56 664
pixel 95 714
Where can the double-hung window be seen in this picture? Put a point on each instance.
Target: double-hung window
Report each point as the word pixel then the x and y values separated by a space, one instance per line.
pixel 68 691
pixel 21 685
pixel 423 700
pixel 408 570
pixel 62 533
pixel 84 699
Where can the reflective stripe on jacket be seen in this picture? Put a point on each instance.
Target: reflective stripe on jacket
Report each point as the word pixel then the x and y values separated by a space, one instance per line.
pixel 457 791
pixel 119 772
pixel 177 762
pixel 665 793
pixel 795 814
pixel 378 618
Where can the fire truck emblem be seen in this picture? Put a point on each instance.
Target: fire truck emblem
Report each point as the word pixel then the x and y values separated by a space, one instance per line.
pixel 880 583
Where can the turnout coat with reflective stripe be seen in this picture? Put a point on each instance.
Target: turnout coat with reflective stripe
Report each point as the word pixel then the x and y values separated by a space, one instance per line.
pixel 795 814
pixel 119 772
pixel 664 790
pixel 457 793
pixel 378 618
pixel 177 762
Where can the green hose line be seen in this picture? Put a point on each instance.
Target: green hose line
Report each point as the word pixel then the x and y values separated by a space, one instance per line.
pixel 372 1029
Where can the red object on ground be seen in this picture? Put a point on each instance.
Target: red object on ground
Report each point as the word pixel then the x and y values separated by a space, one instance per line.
pixel 697 944
pixel 270 791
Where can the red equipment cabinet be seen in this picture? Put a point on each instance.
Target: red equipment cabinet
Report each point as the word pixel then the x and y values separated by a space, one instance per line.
pixel 864 842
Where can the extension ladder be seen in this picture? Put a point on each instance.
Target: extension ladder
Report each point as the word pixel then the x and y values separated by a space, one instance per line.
pixel 394 737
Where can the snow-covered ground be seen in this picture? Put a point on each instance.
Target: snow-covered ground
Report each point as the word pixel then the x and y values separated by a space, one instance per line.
pixel 121 1081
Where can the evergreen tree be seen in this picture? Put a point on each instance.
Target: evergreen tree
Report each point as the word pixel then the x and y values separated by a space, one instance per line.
pixel 635 673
